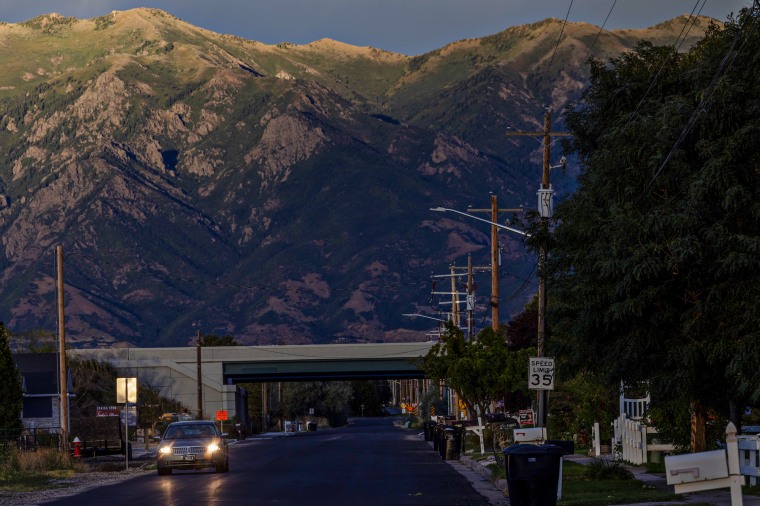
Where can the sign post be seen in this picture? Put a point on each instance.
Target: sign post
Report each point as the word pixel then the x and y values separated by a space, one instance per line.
pixel 221 416
pixel 126 392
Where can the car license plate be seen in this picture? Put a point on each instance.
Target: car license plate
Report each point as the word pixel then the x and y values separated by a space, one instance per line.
pixel 190 457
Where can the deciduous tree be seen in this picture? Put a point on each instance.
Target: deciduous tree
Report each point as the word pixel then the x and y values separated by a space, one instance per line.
pixel 655 261
pixel 480 371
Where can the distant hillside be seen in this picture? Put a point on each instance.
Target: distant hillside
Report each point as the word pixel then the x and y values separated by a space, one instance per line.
pixel 274 193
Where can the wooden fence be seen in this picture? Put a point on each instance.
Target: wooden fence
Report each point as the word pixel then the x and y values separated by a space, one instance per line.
pixel 749 457
pixel 632 438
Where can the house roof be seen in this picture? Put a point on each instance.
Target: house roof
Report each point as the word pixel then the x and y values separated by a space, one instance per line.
pixel 39 372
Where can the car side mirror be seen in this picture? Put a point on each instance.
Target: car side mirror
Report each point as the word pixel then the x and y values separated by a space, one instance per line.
pixel 156 439
pixel 225 435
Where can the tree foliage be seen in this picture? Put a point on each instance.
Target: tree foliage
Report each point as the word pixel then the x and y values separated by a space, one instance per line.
pixel 655 263
pixel 481 370
pixel 215 340
pixel 11 393
pixel 329 399
pixel 368 398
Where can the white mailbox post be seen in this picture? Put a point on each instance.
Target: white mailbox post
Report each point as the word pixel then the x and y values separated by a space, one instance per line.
pixel 695 472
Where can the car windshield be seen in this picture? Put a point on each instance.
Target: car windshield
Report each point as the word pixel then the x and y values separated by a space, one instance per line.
pixel 196 431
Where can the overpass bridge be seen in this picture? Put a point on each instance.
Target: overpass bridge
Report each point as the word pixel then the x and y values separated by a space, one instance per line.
pixel 173 371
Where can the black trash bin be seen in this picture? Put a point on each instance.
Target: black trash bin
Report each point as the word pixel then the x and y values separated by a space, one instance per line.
pixel 429 430
pixel 533 474
pixel 568 447
pixel 442 431
pixel 453 443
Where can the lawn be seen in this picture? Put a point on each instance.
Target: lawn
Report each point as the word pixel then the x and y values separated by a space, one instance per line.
pixel 579 491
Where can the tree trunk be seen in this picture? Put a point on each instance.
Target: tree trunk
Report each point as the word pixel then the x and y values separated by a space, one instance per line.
pixel 698 417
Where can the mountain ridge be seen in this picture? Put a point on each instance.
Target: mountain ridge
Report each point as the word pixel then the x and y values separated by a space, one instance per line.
pixel 278 193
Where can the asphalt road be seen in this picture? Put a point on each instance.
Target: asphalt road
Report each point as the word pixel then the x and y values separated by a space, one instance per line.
pixel 369 462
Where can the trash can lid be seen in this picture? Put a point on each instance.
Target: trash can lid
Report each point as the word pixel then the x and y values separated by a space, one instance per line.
pixel 525 449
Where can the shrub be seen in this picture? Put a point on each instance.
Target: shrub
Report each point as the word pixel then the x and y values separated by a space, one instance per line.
pixel 42 460
pixel 606 469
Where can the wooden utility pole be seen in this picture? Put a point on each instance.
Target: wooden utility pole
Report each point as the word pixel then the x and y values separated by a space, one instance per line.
pixel 200 374
pixel 494 211
pixel 454 297
pixel 545 205
pixel 62 372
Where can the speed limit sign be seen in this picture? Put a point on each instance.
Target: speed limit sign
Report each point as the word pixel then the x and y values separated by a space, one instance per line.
pixel 541 373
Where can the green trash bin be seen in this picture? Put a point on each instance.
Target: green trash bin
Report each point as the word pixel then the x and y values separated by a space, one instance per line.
pixel 533 474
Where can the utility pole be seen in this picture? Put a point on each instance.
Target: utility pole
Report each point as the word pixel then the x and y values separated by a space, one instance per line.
pixel 470 298
pixel 546 207
pixel 62 372
pixel 454 297
pixel 200 374
pixel 494 256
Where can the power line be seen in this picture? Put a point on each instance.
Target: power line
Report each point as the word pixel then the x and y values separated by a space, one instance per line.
pixel 659 71
pixel 562 30
pixel 591 48
pixel 707 95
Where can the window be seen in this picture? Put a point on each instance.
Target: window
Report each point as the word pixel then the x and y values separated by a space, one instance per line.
pixel 38 407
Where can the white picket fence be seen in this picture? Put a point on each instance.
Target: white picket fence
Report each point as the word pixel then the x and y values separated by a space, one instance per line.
pixel 749 457
pixel 633 409
pixel 633 438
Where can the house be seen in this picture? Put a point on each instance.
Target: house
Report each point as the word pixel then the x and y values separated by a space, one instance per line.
pixel 39 379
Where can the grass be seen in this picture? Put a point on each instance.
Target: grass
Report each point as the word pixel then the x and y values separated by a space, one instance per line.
pixel 23 471
pixel 579 490
pixel 597 484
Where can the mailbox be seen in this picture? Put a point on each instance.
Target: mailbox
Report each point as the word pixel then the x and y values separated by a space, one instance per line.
pixel 530 435
pixel 697 471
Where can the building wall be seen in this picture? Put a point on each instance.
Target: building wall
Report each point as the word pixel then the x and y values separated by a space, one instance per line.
pixel 53 422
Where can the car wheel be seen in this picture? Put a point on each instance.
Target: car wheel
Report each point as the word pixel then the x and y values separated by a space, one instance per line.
pixel 220 468
pixel 226 465
pixel 163 471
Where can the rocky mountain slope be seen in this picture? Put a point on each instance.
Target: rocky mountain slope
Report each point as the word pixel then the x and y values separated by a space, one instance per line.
pixel 278 193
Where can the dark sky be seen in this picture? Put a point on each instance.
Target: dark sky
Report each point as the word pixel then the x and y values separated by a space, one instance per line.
pixel 404 26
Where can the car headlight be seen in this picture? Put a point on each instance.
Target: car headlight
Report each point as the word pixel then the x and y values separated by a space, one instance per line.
pixel 165 449
pixel 213 447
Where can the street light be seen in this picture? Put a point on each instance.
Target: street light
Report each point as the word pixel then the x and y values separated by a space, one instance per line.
pixel 499 225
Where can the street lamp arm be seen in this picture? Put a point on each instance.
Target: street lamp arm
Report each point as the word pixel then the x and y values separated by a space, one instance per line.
pixel 499 225
pixel 424 316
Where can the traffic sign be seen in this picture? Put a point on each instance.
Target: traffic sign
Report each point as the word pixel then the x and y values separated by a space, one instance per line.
pixel 541 373
pixel 222 414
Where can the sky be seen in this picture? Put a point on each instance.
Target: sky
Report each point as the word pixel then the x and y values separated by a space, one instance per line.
pixel 409 27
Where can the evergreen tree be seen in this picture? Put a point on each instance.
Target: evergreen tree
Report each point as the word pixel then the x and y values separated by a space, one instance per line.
pixel 11 393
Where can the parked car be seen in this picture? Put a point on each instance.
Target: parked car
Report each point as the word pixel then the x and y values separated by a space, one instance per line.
pixel 192 445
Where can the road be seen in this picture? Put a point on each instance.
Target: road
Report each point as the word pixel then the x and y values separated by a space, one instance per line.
pixel 370 462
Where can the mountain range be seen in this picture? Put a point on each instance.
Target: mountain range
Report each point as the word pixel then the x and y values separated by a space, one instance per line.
pixel 275 193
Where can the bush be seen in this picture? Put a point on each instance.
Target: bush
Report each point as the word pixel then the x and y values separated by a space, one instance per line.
pixel 606 469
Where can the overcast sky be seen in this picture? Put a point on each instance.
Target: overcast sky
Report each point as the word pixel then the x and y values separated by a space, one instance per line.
pixel 405 26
